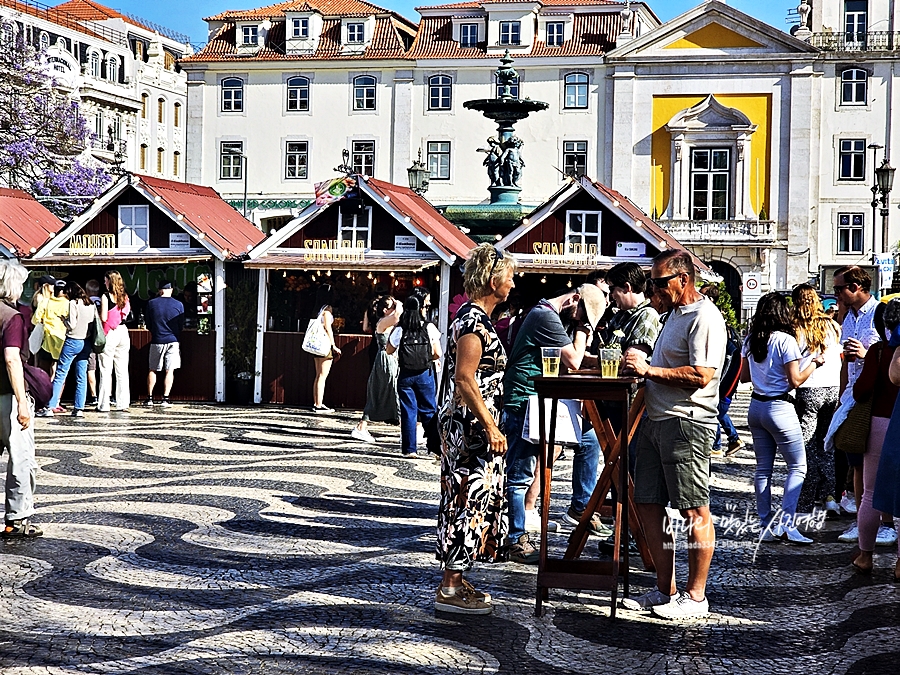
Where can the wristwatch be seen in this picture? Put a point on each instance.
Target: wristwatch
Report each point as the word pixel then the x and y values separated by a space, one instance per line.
pixel 586 327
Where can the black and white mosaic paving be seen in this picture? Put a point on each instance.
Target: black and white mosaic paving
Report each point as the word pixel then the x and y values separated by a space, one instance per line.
pixel 204 539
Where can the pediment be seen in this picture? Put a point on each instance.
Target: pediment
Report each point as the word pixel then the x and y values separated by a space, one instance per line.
pixel 710 115
pixel 714 36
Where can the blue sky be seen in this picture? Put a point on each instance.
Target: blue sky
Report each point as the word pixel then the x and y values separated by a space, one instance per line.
pixel 187 17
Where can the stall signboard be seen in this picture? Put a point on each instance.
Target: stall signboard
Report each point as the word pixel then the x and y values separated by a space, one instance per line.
pixel 332 250
pixel 563 253
pixel 885 264
pixel 631 249
pixel 179 240
pixel 752 290
pixel 403 242
pixel 92 244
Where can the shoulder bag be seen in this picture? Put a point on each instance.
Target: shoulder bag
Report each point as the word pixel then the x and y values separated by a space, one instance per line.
pixel 37 381
pixel 316 340
pixel 853 434
pixel 95 336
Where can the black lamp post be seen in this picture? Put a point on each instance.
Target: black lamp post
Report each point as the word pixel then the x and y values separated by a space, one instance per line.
pixel 874 147
pixel 884 179
pixel 117 147
pixel 419 176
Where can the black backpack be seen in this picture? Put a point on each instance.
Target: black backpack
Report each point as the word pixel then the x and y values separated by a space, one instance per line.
pixel 415 350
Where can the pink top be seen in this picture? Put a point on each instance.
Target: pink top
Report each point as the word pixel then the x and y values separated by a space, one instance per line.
pixel 114 315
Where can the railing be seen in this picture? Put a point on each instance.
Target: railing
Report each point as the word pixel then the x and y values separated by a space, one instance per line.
pixel 711 231
pixel 62 18
pixel 877 41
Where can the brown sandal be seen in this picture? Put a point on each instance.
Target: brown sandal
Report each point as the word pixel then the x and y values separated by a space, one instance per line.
pixel 21 529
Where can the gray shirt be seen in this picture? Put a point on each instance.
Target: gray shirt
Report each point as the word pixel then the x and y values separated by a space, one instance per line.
pixel 79 319
pixel 693 335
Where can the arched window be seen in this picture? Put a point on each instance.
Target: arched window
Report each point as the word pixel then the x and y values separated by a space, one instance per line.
pixel 144 102
pixel 298 94
pixel 440 88
pixel 176 117
pixel 94 60
pixel 576 90
pixel 176 163
pixel 232 95
pixel 161 110
pixel 44 41
pixel 112 70
pixel 8 35
pixel 144 156
pixel 364 92
pixel 160 160
pixel 854 82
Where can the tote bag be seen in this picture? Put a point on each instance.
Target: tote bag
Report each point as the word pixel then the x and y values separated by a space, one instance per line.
pixel 568 421
pixel 36 339
pixel 316 341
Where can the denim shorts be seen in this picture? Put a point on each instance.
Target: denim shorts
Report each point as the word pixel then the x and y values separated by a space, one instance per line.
pixel 673 463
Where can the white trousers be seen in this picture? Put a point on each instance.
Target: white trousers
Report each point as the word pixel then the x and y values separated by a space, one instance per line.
pixel 21 467
pixel 114 356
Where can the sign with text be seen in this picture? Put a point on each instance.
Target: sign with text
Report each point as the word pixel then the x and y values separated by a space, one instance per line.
pixel 752 291
pixel 885 264
pixel 404 242
pixel 565 253
pixel 92 244
pixel 631 249
pixel 179 240
pixel 332 250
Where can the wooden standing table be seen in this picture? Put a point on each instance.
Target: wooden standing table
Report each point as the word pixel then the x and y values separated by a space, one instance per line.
pixel 570 571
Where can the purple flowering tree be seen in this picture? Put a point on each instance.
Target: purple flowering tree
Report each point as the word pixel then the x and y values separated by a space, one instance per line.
pixel 43 135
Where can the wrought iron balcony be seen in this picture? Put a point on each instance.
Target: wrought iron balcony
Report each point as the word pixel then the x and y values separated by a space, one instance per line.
pixel 721 231
pixel 876 41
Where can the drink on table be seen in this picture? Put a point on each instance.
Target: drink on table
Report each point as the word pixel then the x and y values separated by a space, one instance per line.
pixel 609 362
pixel 550 361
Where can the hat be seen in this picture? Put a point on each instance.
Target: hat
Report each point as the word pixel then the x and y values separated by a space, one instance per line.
pixel 165 283
pixel 47 279
pixel 59 283
pixel 594 303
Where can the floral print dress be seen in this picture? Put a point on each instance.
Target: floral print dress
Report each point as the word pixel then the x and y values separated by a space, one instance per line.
pixel 473 519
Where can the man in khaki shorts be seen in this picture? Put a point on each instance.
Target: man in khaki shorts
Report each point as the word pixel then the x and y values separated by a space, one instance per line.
pixel 682 398
pixel 165 319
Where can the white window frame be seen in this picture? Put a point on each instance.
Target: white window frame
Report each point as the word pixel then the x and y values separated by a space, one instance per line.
pixel 466 31
pixel 571 148
pixel 856 87
pixel 854 149
pixel 851 223
pixel 435 153
pixel 510 33
pixel 236 103
pixel 440 84
pixel 94 63
pixel 300 28
pixel 557 35
pixel 296 153
pixel 298 87
pixel 112 69
pixel 856 25
pixel 235 163
pixel 583 237
pixel 711 172
pixel 250 36
pixel 356 33
pixel 357 87
pixel 514 87
pixel 131 236
pixel 355 228
pixel 44 41
pixel 360 167
pixel 578 85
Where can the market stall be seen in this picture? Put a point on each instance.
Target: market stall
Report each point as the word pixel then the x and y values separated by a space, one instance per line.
pixel 149 229
pixel 379 238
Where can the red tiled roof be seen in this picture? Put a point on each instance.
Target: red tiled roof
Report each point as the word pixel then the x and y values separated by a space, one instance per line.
pixel 424 217
pixel 25 223
pixel 593 35
pixel 206 212
pixel 92 11
pixel 324 7
pixel 545 3
pixel 64 19
pixel 386 44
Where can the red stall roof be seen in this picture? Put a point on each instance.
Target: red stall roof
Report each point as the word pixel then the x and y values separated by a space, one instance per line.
pixel 25 223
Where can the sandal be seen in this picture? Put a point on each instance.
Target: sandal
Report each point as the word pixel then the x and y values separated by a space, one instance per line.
pixel 21 529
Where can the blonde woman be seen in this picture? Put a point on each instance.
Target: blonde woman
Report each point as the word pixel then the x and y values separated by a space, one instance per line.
pixel 817 398
pixel 114 307
pixel 323 363
pixel 51 306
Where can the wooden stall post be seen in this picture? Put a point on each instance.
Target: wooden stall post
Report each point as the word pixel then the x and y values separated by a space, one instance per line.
pixel 219 320
pixel 261 314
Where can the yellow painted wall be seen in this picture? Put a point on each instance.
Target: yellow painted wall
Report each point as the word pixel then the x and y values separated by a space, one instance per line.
pixel 758 107
pixel 713 36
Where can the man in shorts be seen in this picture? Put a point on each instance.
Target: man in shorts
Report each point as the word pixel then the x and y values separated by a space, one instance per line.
pixel 165 319
pixel 682 397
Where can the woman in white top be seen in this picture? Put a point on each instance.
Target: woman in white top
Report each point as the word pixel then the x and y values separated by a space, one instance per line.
pixel 323 363
pixel 817 398
pixel 775 364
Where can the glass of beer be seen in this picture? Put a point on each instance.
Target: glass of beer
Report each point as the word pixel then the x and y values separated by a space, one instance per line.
pixel 610 359
pixel 550 361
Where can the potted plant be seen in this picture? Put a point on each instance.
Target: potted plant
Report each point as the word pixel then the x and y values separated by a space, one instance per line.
pixel 240 340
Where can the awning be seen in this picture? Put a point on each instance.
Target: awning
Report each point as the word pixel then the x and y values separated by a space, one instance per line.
pixel 575 267
pixel 112 261
pixel 301 262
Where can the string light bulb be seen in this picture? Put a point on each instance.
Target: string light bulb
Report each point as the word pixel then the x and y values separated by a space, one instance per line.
pixel 543 280
pixel 569 283
pixel 370 275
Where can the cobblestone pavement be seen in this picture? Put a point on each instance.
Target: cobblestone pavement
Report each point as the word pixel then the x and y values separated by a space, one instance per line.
pixel 202 539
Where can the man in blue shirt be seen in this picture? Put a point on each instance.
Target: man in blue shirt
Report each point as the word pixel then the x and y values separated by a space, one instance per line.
pixel 165 319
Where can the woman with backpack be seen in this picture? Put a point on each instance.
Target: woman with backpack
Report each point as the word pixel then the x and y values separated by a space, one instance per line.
pixel 75 350
pixel 418 345
pixel 114 307
pixel 382 404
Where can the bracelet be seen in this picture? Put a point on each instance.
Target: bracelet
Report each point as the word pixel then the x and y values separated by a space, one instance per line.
pixel 586 327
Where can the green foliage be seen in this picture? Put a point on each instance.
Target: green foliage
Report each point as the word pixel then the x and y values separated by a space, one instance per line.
pixel 726 306
pixel 240 336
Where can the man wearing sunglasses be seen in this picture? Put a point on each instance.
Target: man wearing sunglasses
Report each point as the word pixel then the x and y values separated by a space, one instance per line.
pixel 682 398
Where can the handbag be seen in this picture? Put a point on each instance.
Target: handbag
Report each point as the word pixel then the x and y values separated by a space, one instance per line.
pixel 38 384
pixel 853 434
pixel 316 340
pixel 36 339
pixel 96 337
pixel 568 421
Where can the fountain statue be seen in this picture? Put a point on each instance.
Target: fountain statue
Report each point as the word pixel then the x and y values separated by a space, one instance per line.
pixel 503 154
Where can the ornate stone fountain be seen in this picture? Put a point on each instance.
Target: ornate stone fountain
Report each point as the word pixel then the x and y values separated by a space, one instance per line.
pixel 503 154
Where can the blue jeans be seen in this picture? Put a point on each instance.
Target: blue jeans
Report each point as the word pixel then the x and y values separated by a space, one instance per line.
pixel 521 460
pixel 77 352
pixel 726 423
pixel 416 392
pixel 775 426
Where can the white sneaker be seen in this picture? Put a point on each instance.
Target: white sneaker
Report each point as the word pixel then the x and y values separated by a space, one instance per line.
pixel 850 535
pixel 832 509
pixel 682 607
pixel 771 534
pixel 363 435
pixel 792 536
pixel 648 600
pixel 887 536
pixel 848 503
pixel 533 522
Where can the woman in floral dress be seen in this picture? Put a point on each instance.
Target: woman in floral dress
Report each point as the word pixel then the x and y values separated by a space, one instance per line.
pixel 472 520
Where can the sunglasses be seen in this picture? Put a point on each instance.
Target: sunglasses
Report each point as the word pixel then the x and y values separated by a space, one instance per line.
pixel 839 287
pixel 498 256
pixel 662 282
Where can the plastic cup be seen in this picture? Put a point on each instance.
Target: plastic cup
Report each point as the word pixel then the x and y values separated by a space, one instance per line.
pixel 550 361
pixel 610 359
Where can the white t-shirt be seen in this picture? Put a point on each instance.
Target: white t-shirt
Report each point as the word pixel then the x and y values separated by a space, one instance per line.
pixel 829 373
pixel 860 326
pixel 433 333
pixel 769 376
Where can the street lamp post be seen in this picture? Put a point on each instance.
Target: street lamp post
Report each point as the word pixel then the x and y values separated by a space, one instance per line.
pixel 874 147
pixel 884 179
pixel 418 175
pixel 238 153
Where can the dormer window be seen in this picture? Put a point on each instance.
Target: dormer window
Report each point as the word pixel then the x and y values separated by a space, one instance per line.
pixel 555 32
pixel 250 36
pixel 300 28
pixel 468 35
pixel 510 32
pixel 356 33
